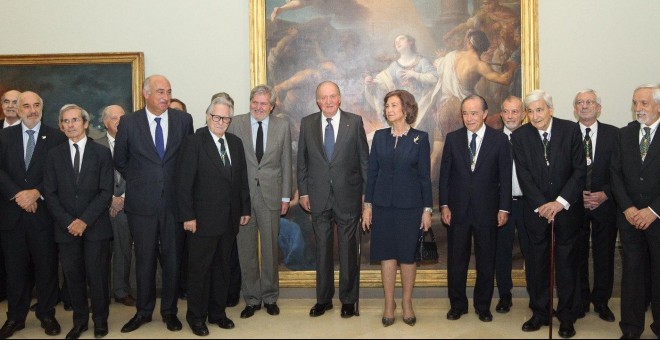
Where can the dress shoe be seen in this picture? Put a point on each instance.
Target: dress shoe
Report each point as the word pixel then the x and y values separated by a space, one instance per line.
pixel 224 323
pixel 51 326
pixel 127 300
pixel 135 323
pixel 272 308
pixel 455 313
pixel 411 321
pixel 347 310
pixel 100 330
pixel 10 327
pixel 534 324
pixel 199 328
pixel 249 310
pixel 320 308
pixel 183 294
pixel 629 336
pixel 387 321
pixel 232 300
pixel 485 316
pixel 655 327
pixel 504 305
pixel 172 322
pixel 566 330
pixel 75 332
pixel 604 312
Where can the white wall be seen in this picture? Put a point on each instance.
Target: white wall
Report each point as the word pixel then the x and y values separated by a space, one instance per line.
pixel 202 46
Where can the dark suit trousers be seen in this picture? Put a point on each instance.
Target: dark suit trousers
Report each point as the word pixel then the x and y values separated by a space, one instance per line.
pixel 347 225
pixel 157 237
pixel 235 279
pixel 23 245
pixel 87 262
pixel 122 248
pixel 566 234
pixel 504 252
pixel 638 246
pixel 459 249
pixel 603 241
pixel 208 276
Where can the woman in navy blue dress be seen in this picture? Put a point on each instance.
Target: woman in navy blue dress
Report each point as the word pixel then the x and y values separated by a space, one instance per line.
pixel 398 199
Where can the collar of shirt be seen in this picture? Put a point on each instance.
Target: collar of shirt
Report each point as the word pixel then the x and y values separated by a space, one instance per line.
pixel 163 125
pixel 653 127
pixel 81 149
pixel 6 124
pixel 335 123
pixel 111 139
pixel 217 143
pixel 507 132
pixel 549 131
pixel 255 126
pixel 36 129
pixel 480 134
pixel 593 127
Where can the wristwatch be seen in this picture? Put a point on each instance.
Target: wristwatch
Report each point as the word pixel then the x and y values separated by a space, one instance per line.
pixel 429 210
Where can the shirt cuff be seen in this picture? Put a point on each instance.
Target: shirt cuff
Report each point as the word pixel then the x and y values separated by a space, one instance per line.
pixel 654 213
pixel 563 202
pixel 504 211
pixel 286 200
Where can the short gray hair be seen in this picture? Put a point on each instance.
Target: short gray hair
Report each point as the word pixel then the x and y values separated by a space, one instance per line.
pixel 220 101
pixel 586 91
pixel 263 89
pixel 653 87
pixel 67 107
pixel 539 95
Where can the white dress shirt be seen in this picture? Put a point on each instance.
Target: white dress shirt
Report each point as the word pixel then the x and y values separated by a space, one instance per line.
pixel 163 125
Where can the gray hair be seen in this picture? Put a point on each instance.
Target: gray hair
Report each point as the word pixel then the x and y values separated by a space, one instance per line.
pixel 587 91
pixel 146 85
pixel 20 97
pixel 538 95
pixel 67 107
pixel 653 87
pixel 220 101
pixel 224 95
pixel 263 89
pixel 104 112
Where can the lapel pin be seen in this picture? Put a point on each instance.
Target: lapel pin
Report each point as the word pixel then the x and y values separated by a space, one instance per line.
pixel 43 137
pixel 416 140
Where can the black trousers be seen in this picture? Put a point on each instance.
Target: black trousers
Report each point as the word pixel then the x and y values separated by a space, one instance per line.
pixel 504 252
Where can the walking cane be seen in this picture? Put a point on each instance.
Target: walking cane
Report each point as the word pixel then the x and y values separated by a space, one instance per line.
pixel 552 274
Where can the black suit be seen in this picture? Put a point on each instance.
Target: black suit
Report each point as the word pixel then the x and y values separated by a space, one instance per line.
pixel 216 198
pixel 3 272
pixel 27 237
pixel 540 184
pixel 599 225
pixel 635 183
pixel 474 199
pixel 87 258
pixel 150 204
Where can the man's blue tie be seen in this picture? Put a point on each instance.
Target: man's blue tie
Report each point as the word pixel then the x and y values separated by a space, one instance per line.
pixel 29 150
pixel 160 142
pixel 329 139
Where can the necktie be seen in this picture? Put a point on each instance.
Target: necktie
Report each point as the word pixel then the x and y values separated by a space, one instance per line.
pixel 76 163
pixel 112 151
pixel 329 139
pixel 160 142
pixel 588 150
pixel 223 154
pixel 473 151
pixel 29 150
pixel 546 148
pixel 259 148
pixel 643 146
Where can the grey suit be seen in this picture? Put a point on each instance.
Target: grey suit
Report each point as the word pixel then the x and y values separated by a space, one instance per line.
pixel 122 244
pixel 335 190
pixel 270 181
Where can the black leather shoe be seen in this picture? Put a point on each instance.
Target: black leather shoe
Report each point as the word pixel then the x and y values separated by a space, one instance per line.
pixel 173 323
pixel 320 308
pixel 127 300
pixel 566 330
pixel 272 308
pixel 100 330
pixel 629 336
pixel 225 323
pixel 199 328
pixel 534 324
pixel 455 313
pixel 249 310
pixel 604 312
pixel 232 300
pixel 51 326
pixel 135 323
pixel 485 316
pixel 75 332
pixel 10 327
pixel 347 310
pixel 504 305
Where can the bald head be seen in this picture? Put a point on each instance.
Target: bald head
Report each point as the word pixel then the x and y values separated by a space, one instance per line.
pixel 157 92
pixel 10 105
pixel 111 115
pixel 30 108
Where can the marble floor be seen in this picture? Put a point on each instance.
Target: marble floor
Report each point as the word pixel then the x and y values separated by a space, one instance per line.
pixel 294 322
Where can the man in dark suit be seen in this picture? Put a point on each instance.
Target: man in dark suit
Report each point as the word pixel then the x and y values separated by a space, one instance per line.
pixel 333 156
pixel 636 188
pixel 599 210
pixel 475 200
pixel 122 241
pixel 551 167
pixel 213 199
pixel 78 190
pixel 146 149
pixel 26 226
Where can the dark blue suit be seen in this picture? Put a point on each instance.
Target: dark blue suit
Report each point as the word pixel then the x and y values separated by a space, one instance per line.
pixel 474 199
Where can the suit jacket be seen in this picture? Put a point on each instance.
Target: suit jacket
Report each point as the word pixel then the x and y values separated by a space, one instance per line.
pixel 400 177
pixel 274 174
pixel 204 190
pixel 636 183
pixel 148 178
pixel 600 173
pixel 120 183
pixel 476 196
pixel 345 176
pixel 87 200
pixel 566 174
pixel 14 177
pixel 2 123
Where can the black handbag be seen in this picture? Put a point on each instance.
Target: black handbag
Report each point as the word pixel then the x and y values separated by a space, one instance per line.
pixel 427 250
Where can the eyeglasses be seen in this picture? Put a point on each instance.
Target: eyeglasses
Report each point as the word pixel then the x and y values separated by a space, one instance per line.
pixel 217 118
pixel 72 120
pixel 589 102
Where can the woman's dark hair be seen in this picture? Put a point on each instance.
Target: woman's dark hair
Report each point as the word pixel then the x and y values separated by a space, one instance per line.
pixel 408 104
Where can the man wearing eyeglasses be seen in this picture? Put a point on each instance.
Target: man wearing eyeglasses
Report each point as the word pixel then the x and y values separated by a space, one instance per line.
pixel 146 148
pixel 213 199
pixel 599 225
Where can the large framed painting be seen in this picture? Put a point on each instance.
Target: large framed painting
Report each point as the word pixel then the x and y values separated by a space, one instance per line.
pixel 369 47
pixel 90 80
